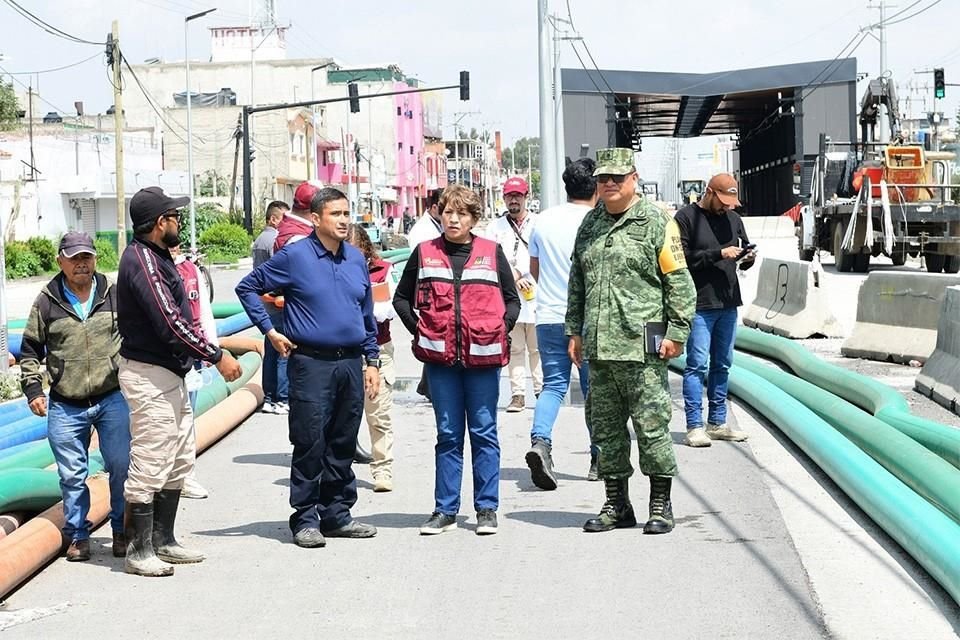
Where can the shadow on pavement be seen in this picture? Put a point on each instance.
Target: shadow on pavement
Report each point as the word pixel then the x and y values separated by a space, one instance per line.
pixel 551 519
pixel 399 520
pixel 271 530
pixel 276 459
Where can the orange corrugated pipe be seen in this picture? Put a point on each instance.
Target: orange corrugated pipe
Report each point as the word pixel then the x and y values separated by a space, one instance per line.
pixel 33 545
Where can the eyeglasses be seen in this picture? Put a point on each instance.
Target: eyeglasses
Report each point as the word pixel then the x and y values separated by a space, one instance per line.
pixel 604 178
pixel 176 215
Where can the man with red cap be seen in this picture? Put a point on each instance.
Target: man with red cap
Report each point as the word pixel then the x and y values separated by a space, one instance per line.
pixel 512 232
pixel 715 244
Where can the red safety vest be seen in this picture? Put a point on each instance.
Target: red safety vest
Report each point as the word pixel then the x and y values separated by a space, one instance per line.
pixel 460 319
pixel 191 283
pixel 293 227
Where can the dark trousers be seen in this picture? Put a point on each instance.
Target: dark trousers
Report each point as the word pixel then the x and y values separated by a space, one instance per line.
pixel 326 403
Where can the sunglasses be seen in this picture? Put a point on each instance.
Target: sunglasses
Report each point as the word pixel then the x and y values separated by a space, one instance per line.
pixel 604 178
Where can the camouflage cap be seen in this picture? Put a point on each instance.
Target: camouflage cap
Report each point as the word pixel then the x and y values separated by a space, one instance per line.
pixel 617 161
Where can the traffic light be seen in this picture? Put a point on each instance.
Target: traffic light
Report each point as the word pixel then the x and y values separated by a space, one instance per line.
pixel 464 85
pixel 939 86
pixel 354 100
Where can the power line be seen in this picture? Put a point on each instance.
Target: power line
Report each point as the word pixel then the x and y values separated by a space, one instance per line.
pixel 30 89
pixel 146 94
pixel 49 28
pixel 66 66
pixel 913 15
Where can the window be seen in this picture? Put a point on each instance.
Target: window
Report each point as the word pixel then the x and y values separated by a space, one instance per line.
pixel 399 112
pixel 293 143
pixel 399 146
pixel 411 149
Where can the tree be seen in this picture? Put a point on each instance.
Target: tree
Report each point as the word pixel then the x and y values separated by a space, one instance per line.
pixel 522 149
pixel 9 108
pixel 205 186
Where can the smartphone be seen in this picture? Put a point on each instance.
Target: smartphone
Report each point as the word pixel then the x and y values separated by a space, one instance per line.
pixel 747 249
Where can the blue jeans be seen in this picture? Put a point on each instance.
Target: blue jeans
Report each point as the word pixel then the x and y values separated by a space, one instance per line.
pixel 465 399
pixel 712 337
pixel 275 385
pixel 68 431
pixel 552 342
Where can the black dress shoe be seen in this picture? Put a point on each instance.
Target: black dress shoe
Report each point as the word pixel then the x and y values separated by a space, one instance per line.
pixel 362 457
pixel 352 529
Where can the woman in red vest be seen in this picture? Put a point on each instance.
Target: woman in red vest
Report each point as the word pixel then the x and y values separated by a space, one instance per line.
pixel 378 410
pixel 458 299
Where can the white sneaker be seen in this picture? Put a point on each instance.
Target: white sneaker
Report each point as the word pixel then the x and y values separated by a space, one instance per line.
pixel 193 489
pixel 269 407
pixel 281 408
pixel 723 432
pixel 697 438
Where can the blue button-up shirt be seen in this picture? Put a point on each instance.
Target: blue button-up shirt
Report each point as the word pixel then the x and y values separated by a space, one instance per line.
pixel 328 302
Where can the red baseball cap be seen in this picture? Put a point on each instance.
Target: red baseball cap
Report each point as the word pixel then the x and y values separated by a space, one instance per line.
pixel 303 196
pixel 516 184
pixel 725 186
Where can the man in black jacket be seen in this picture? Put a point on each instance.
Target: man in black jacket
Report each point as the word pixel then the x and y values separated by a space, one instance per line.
pixel 715 245
pixel 159 348
pixel 73 324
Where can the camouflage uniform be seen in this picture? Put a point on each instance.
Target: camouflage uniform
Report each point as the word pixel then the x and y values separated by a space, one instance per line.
pixel 627 270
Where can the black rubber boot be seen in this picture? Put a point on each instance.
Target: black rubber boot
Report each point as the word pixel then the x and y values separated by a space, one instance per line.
pixel 362 456
pixel 166 545
pixel 141 560
pixel 661 509
pixel 616 512
pixel 540 461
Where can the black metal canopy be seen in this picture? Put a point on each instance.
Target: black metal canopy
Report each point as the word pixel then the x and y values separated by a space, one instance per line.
pixel 686 105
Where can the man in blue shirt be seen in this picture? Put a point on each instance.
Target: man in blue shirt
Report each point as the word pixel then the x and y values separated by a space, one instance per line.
pixel 331 339
pixel 551 248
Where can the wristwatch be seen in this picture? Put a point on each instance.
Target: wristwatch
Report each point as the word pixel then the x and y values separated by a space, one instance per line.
pixel 373 362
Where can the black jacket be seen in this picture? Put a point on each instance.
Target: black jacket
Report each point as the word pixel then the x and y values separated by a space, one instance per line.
pixel 704 235
pixel 154 314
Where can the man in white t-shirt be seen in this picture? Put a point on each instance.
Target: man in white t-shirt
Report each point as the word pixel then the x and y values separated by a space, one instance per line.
pixel 512 233
pixel 551 249
pixel 426 228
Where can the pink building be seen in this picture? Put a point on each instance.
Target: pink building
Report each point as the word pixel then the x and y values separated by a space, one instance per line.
pixel 410 170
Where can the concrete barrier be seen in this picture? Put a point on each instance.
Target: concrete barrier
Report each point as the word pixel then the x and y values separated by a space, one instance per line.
pixel 768 227
pixel 897 316
pixel 791 302
pixel 940 377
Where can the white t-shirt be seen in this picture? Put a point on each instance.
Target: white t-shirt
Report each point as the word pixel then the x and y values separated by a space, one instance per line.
pixel 501 230
pixel 552 243
pixel 426 228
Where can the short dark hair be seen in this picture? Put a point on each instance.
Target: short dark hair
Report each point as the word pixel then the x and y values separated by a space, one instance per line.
pixel 144 228
pixel 578 179
pixel 462 197
pixel 324 196
pixel 276 206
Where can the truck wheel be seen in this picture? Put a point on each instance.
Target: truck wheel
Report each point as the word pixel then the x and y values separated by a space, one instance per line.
pixel 935 262
pixel 952 265
pixel 806 255
pixel 843 260
pixel 861 262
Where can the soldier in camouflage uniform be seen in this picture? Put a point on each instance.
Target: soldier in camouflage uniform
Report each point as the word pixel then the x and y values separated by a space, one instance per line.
pixel 629 270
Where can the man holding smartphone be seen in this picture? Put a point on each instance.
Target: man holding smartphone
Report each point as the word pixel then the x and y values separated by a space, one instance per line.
pixel 715 245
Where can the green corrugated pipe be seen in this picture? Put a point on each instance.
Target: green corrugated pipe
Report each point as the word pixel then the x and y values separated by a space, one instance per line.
pixel 924 471
pixel 396 255
pixel 249 363
pixel 35 489
pixel 927 534
pixel 217 390
pixel 37 456
pixel 884 403
pixel 226 309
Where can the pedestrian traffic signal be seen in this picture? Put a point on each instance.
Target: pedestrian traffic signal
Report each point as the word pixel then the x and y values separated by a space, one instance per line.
pixel 939 86
pixel 464 85
pixel 354 100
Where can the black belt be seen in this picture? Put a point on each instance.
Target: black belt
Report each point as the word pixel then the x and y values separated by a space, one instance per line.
pixel 336 353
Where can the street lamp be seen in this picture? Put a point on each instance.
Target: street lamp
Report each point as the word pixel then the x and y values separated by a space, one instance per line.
pixel 186 59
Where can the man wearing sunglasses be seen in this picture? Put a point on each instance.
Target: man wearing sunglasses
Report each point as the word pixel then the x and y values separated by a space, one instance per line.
pixel 632 299
pixel 715 244
pixel 160 344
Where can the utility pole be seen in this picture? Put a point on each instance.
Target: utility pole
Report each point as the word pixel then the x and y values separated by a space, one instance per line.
pixel 33 174
pixel 118 143
pixel 882 38
pixel 560 142
pixel 548 134
pixel 237 135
